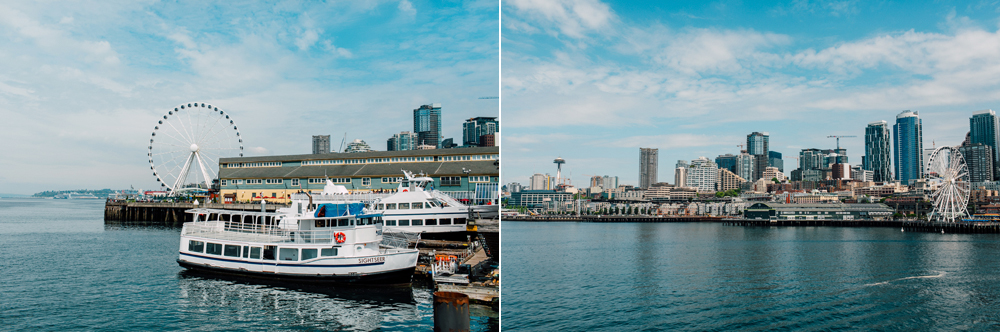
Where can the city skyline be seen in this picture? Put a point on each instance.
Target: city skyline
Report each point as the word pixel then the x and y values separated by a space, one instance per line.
pixel 84 83
pixel 693 79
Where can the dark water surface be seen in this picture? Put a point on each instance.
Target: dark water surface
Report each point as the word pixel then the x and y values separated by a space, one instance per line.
pixel 63 269
pixel 711 277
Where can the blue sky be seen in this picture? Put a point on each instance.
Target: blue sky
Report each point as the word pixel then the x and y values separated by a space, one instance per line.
pixel 593 81
pixel 82 83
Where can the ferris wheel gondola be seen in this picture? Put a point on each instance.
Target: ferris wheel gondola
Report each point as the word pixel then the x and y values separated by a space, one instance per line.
pixel 186 145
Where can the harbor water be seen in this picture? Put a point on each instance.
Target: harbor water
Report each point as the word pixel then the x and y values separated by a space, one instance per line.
pixel 64 269
pixel 573 276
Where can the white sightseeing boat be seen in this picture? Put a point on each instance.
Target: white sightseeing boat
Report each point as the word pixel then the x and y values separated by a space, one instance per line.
pixel 414 208
pixel 311 242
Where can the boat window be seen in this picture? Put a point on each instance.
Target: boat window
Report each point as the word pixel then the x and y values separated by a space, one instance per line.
pixel 380 207
pixel 196 246
pixel 320 223
pixel 231 251
pixel 390 223
pixel 401 222
pixel 459 221
pixel 390 206
pixel 404 206
pixel 288 254
pixel 445 221
pixel 342 223
pixel 214 249
pixel 418 222
pixel 269 252
pixel 246 252
pixel 255 252
pixel 308 254
pixel 430 222
pixel 417 205
pixel 329 251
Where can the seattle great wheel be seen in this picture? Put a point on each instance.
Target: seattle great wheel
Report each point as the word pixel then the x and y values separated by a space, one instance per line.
pixel 186 145
pixel 948 176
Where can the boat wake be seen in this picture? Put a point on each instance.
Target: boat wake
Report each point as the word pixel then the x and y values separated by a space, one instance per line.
pixel 940 274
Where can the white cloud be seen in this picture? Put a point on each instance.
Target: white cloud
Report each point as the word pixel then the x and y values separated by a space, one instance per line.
pixel 259 151
pixel 56 41
pixel 570 17
pixel 337 51
pixel 308 38
pixel 12 90
pixel 406 7
pixel 729 72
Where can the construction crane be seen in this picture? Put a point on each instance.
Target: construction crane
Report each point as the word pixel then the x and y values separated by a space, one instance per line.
pixel 838 139
pixel 489 97
pixel 740 146
pixel 797 163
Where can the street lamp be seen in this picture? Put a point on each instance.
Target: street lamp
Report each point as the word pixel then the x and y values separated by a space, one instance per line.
pixel 467 171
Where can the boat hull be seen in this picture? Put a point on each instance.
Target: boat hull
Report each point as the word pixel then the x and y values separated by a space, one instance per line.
pixel 395 277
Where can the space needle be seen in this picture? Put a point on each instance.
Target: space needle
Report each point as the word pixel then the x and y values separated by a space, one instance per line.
pixel 559 162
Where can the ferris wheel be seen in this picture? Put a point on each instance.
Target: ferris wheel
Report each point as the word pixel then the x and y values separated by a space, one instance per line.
pixel 187 143
pixel 949 177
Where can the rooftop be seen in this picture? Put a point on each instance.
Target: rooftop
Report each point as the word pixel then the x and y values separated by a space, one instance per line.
pixel 369 154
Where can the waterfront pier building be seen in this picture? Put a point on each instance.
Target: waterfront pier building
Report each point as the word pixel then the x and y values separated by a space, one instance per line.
pixel 274 178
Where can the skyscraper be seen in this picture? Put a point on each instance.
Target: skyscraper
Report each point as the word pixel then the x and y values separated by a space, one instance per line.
pixel 984 128
pixel 648 158
pixel 321 144
pixel 540 182
pixel 726 161
pixel 474 128
pixel 402 142
pixel 979 159
pixel 703 174
pixel 745 166
pixel 680 177
pixel 609 182
pixel 774 160
pixel 908 141
pixel 877 151
pixel 596 181
pixel 757 145
pixel 811 159
pixel 427 125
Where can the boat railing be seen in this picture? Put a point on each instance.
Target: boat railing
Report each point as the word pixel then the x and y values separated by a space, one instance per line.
pixel 353 197
pixel 237 231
